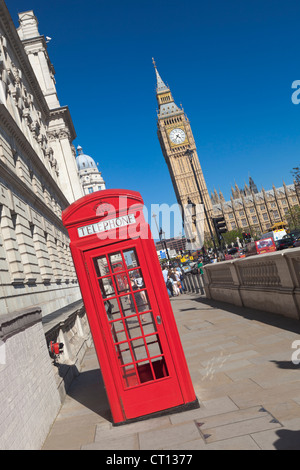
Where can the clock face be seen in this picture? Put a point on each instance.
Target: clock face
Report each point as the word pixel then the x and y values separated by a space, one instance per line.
pixel 177 136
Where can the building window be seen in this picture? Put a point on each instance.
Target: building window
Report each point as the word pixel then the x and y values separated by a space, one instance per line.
pixel 262 207
pixel 283 202
pixel 233 226
pixel 90 190
pixel 254 220
pixel 231 216
pixel 242 213
pixel 244 222
pixel 265 216
pixel 275 214
pixel 252 210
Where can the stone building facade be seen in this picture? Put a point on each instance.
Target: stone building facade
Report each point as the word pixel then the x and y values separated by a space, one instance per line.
pixel 38 283
pixel 249 207
pixel 38 174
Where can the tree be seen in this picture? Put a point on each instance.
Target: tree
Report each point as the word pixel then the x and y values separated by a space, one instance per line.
pixel 208 243
pixel 296 176
pixel 230 237
pixel 293 217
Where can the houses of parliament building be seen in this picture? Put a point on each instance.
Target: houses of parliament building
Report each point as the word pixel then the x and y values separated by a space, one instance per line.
pixel 249 207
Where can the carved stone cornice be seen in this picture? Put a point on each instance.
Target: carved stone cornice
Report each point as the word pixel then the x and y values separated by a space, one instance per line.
pixel 62 113
pixel 18 48
pixel 59 134
pixel 11 127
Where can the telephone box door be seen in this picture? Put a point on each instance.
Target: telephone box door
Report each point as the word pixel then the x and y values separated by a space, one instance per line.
pixel 132 329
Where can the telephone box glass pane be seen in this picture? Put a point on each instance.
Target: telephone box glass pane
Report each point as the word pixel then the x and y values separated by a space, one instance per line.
pixel 148 323
pixel 153 345
pixel 118 331
pixel 116 262
pixel 145 371
pixel 112 309
pixel 142 302
pixel 121 283
pixel 131 258
pixel 136 278
pixel 125 353
pixel 101 266
pixel 106 286
pixel 133 327
pixel 129 376
pixel 160 367
pixel 138 349
pixel 127 305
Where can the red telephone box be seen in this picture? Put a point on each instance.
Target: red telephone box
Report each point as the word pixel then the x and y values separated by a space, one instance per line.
pixel 130 315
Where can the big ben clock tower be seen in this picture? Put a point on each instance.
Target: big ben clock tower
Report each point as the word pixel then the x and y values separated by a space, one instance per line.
pixel 177 141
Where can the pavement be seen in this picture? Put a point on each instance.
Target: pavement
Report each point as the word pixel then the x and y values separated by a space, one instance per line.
pixel 243 365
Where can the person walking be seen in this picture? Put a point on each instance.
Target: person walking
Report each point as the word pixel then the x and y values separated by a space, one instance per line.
pixel 168 283
pixel 171 282
pixel 174 279
pixel 179 286
pixel 200 265
pixel 179 271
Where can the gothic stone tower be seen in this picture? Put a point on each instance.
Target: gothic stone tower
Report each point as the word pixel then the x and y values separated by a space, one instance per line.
pixel 176 137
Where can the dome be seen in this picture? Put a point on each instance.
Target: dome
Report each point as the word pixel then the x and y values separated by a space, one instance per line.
pixel 84 162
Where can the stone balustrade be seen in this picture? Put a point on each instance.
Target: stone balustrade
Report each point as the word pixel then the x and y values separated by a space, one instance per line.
pixel 269 282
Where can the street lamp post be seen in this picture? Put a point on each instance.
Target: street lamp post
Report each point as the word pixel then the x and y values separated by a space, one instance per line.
pixel 162 238
pixel 190 154
pixel 154 217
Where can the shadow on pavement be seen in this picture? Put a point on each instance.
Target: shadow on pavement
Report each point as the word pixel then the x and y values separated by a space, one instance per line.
pixel 273 319
pixel 286 365
pixel 288 440
pixel 88 389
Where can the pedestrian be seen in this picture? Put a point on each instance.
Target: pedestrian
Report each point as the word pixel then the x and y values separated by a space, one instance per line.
pixel 168 283
pixel 175 285
pixel 171 282
pixel 179 286
pixel 140 297
pixel 179 270
pixel 200 265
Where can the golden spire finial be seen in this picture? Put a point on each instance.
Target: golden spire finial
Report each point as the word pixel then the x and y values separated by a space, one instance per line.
pixel 153 61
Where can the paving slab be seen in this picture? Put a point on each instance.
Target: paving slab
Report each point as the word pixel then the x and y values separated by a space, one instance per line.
pixel 241 368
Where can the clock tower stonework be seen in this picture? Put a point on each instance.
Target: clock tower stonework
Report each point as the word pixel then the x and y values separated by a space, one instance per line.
pixel 176 137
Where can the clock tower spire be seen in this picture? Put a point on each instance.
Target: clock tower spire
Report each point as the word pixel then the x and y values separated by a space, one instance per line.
pixel 164 97
pixel 176 141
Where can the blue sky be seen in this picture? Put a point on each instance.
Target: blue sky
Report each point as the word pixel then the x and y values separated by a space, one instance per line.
pixel 230 63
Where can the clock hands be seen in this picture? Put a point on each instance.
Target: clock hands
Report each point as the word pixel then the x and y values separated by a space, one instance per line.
pixel 177 136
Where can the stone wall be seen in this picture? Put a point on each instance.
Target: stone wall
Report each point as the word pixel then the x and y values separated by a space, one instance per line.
pixel 269 282
pixel 28 394
pixel 32 384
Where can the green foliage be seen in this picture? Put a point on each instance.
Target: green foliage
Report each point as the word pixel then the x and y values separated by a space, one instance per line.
pixel 230 237
pixel 293 217
pixel 208 243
